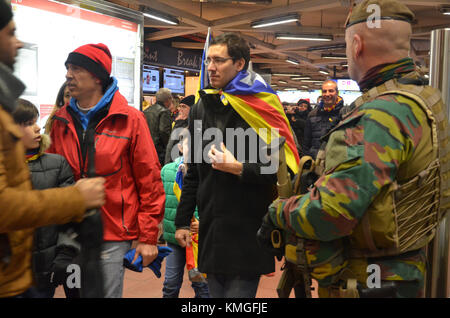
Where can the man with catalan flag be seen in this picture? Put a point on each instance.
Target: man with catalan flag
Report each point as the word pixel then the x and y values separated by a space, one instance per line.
pixel 231 177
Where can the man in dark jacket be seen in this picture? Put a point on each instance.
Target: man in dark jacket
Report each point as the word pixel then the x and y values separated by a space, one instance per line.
pixel 298 119
pixel 159 121
pixel 181 121
pixel 322 119
pixel 232 195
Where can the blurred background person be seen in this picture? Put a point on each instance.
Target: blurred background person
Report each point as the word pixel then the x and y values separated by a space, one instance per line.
pixel 63 98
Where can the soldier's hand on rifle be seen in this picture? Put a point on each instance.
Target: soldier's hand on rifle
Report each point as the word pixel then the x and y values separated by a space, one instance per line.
pixel 264 237
pixel 183 236
pixel 224 160
pixel 93 191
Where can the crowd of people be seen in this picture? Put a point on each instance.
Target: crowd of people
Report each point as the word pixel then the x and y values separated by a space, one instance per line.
pixel 106 178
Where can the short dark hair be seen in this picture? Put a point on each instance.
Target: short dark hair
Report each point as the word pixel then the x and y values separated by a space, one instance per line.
pixel 25 111
pixel 237 46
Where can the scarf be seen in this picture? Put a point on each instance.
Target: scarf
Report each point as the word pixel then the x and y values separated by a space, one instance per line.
pixel 104 101
pixel 329 109
pixel 261 108
pixel 384 72
pixel 32 154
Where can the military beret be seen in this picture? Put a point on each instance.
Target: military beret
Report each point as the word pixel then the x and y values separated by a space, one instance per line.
pixel 388 9
pixel 5 14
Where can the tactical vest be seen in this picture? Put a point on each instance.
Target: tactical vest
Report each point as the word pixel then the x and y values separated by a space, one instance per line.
pixel 414 206
pixel 408 219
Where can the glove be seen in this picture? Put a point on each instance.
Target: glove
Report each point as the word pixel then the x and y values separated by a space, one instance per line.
pixel 58 268
pixel 264 239
pixel 155 266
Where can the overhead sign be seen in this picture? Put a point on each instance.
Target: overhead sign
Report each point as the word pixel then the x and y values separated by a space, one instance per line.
pixel 159 54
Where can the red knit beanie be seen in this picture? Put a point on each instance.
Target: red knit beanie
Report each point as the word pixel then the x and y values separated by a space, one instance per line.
pixel 95 58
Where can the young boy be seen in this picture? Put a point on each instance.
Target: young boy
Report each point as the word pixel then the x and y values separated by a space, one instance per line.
pixel 176 261
pixel 53 250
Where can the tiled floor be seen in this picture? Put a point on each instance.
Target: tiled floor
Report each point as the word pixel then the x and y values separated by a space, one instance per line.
pixel 147 285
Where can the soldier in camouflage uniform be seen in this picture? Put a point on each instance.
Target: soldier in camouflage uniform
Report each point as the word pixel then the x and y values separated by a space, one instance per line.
pixel 381 188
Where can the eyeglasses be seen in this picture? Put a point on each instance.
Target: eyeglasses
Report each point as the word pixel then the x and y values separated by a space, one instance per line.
pixel 217 60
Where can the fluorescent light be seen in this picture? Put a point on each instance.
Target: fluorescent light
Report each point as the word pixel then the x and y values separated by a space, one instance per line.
pixel 282 82
pixel 445 10
pixel 300 78
pixel 283 74
pixel 274 21
pixel 303 37
pixel 291 89
pixel 168 20
pixel 323 72
pixel 312 81
pixel 292 61
pixel 334 56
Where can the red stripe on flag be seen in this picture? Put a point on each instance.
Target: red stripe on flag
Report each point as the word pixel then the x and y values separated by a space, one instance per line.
pixel 273 118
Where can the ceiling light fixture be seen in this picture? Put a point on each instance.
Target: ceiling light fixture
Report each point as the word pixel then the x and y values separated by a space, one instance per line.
pixel 445 10
pixel 300 78
pixel 303 37
pixel 283 74
pixel 312 81
pixel 160 17
pixel 334 56
pixel 282 82
pixel 291 17
pixel 324 72
pixel 292 61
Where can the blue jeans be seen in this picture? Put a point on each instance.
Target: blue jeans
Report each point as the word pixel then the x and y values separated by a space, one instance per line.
pixel 112 267
pixel 232 286
pixel 175 263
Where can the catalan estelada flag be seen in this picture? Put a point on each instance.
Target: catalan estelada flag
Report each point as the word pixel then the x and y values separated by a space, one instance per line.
pixel 257 103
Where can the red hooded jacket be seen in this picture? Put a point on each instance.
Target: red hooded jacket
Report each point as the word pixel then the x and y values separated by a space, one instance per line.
pixel 126 157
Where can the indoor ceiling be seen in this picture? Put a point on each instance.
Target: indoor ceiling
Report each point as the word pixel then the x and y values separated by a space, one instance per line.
pixel 269 54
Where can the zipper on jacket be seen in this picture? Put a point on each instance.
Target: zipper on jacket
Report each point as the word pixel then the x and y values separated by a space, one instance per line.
pixel 123 209
pixel 123 215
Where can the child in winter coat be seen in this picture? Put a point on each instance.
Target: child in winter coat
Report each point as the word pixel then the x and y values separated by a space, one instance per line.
pixel 176 261
pixel 53 249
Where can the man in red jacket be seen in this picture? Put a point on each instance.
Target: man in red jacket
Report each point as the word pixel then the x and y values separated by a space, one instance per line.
pixel 98 123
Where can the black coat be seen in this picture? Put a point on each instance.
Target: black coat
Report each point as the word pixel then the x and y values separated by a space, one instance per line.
pixel 174 138
pixel 298 123
pixel 49 171
pixel 160 124
pixel 319 122
pixel 230 207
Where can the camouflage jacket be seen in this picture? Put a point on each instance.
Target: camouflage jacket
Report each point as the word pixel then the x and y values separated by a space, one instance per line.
pixel 363 157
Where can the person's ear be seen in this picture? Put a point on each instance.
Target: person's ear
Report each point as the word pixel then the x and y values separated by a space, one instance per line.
pixel 358 45
pixel 240 64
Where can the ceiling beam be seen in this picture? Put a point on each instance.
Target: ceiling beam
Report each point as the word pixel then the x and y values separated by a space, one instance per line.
pixel 188 45
pixel 287 29
pixel 160 35
pixel 305 6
